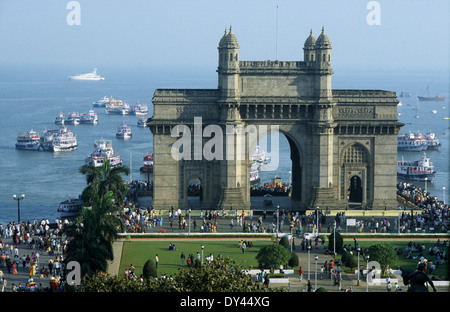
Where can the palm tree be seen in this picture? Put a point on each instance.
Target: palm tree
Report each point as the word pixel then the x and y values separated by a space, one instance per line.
pixel 100 180
pixel 91 237
pixel 94 231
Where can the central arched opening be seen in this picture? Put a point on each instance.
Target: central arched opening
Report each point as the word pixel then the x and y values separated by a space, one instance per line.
pixel 194 192
pixel 355 191
pixel 279 174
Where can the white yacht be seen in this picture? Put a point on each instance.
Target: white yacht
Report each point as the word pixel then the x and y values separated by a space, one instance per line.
pixel 92 76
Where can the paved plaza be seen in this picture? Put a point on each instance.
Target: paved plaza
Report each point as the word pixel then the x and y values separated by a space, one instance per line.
pixel 23 273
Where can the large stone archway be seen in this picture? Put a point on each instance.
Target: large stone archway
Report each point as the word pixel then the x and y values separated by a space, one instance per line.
pixel 215 131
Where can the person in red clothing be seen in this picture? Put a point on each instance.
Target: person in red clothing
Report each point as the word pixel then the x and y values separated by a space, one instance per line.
pixel 300 273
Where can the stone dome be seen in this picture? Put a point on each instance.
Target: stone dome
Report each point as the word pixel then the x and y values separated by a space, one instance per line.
pixel 323 41
pixel 310 41
pixel 229 40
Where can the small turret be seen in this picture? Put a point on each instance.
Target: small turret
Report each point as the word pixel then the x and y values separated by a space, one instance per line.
pixel 323 50
pixel 228 68
pixel 309 53
pixel 228 50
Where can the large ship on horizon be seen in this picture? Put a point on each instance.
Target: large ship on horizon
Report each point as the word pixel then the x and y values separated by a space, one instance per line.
pixel 92 76
pixel 427 96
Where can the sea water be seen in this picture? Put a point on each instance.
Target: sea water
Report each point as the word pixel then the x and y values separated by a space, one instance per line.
pixel 30 98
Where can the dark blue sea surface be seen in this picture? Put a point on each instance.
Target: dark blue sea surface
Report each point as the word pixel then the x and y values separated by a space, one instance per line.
pixel 30 98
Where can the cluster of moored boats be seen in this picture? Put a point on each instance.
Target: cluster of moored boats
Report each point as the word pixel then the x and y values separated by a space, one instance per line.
pixel 63 139
pixel 417 142
pixel 421 169
pixel 119 107
pixel 59 140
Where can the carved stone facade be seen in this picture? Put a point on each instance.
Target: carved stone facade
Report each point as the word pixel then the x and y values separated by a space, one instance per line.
pixel 343 142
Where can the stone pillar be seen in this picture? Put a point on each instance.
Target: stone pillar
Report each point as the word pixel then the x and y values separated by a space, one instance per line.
pixel 166 191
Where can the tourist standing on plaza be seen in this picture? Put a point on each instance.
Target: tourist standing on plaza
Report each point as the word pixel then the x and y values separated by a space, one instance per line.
pixel 300 273
pixel 156 260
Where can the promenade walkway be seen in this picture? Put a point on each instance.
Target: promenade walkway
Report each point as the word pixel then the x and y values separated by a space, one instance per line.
pixel 23 274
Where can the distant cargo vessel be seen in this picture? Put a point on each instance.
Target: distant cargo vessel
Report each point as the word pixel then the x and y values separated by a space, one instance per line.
pixel 427 97
pixel 92 76
pixel 431 98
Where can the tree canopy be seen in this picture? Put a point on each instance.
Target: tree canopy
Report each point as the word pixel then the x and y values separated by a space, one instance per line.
pixel 384 254
pixel 219 275
pixel 273 256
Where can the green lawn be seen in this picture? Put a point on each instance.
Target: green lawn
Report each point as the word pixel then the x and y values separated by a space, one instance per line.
pixel 138 252
pixel 410 264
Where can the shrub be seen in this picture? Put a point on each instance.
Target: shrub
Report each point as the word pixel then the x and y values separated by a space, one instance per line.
pixel 149 270
pixel 284 241
pixel 272 256
pixel 339 242
pixel 350 260
pixel 293 261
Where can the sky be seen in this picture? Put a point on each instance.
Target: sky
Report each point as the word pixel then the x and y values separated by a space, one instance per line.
pixel 185 33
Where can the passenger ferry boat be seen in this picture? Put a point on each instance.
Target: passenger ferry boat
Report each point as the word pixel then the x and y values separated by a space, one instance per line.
pixel 70 208
pixel 142 122
pixel 102 102
pixel 59 120
pixel 65 141
pixel 92 76
pixel 432 141
pixel 73 118
pixel 61 140
pixel 103 149
pixel 411 142
pixel 30 141
pixel 416 170
pixel 117 107
pixel 47 140
pixel 124 131
pixel 254 174
pixel 259 156
pixel 90 118
pixel 140 109
pixel 148 164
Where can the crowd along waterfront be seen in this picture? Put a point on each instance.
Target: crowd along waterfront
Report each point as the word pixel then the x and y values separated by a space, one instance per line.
pixel 32 101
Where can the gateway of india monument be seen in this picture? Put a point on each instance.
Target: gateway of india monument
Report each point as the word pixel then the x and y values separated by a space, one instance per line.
pixel 343 142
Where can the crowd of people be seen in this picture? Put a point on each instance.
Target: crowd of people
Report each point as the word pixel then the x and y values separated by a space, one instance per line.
pixel 433 216
pixel 37 239
pixel 269 188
